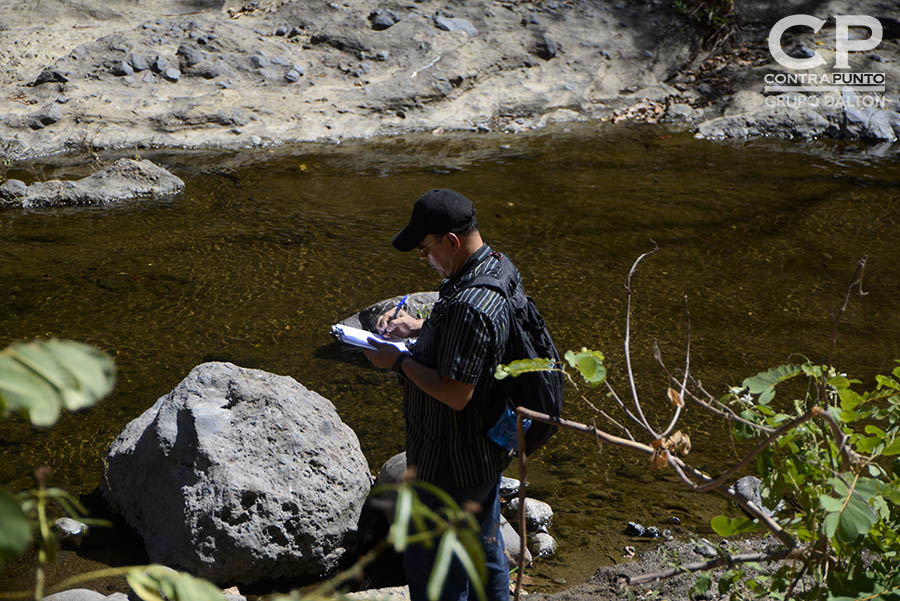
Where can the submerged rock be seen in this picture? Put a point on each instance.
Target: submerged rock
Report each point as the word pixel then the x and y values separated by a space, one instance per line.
pixel 538 514
pixel 125 179
pixel 239 476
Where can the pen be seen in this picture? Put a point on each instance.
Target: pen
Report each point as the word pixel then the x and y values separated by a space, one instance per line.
pixel 399 306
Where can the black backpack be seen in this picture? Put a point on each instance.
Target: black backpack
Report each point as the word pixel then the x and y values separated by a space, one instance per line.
pixel 528 339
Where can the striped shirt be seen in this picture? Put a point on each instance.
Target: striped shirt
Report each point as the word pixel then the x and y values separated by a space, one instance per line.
pixel 464 339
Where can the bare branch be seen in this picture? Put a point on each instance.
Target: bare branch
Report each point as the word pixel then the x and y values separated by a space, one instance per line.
pixel 856 280
pixel 520 441
pixel 725 560
pixel 687 367
pixel 631 383
pixel 622 405
pixel 725 411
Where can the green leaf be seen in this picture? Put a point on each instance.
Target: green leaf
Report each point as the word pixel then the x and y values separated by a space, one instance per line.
pixel 160 582
pixel 849 399
pixel 15 530
pixel 475 568
pixel 830 504
pixel 870 429
pixel 400 527
pixel 764 383
pixel 856 520
pixel 725 526
pixel 441 565
pixel 886 382
pixel 701 585
pixel 893 448
pixel 589 364
pixel 522 366
pixel 830 523
pixel 41 378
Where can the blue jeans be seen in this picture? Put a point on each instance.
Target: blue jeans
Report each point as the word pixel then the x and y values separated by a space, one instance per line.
pixel 418 560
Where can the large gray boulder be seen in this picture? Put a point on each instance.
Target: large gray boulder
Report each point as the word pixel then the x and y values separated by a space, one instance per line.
pixel 239 475
pixel 125 179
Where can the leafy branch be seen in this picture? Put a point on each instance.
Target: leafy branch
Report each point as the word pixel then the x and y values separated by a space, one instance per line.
pixel 845 500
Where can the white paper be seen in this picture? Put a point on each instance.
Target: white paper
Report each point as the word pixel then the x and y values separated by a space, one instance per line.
pixel 360 338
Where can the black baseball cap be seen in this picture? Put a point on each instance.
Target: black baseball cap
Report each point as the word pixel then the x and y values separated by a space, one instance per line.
pixel 436 212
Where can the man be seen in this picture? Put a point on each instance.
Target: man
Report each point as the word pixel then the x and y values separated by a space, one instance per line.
pixel 448 380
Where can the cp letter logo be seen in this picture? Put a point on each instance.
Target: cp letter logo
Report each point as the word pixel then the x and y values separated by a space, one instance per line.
pixel 842 42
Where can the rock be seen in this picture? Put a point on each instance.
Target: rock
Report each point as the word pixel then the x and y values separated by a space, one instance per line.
pixel 76 594
pixel 189 56
pixel 12 189
pixel 48 115
pixel 418 304
pixel 50 75
pixel 191 477
pixel 512 542
pixel 748 488
pixel 292 76
pixel 509 487
pixel 705 548
pixel 121 68
pixel 159 64
pixel 634 529
pixel 123 180
pixel 259 62
pixel 381 19
pixel 71 532
pixel 679 112
pixel 213 70
pixel 392 593
pixel 537 513
pixel 544 47
pixel 542 544
pixel 452 24
pixel 172 74
pixel 393 470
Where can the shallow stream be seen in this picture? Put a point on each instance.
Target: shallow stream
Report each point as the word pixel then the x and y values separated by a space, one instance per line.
pixel 262 253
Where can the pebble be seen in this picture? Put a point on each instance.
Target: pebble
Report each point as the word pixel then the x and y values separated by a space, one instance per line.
pixel 255 140
pixel 509 486
pixel 159 64
pixel 292 76
pixel 381 19
pixel 70 531
pixel 121 68
pixel 139 61
pixel 172 74
pixel 259 61
pixel 190 55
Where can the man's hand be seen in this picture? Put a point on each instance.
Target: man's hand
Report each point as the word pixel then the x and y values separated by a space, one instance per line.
pixel 403 326
pixel 384 356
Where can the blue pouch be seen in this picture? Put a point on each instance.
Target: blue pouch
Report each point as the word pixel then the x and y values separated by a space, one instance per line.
pixel 504 431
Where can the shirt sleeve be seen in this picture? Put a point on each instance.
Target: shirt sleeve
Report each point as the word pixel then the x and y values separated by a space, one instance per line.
pixel 466 343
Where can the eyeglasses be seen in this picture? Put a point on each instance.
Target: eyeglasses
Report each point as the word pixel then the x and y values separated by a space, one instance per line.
pixel 423 252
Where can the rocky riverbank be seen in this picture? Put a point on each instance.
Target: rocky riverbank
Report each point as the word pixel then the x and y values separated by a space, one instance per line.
pixel 222 75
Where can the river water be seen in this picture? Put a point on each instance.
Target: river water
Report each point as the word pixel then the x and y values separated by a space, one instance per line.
pixel 264 251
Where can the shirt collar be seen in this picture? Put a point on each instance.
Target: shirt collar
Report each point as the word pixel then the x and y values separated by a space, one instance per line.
pixel 465 272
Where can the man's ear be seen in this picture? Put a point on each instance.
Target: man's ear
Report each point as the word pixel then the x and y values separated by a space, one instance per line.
pixel 455 242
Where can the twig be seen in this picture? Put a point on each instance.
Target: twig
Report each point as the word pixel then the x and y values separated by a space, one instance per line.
pixel 615 395
pixel 678 465
pixel 708 565
pixel 634 393
pixel 687 367
pixel 520 440
pixel 724 412
pixel 856 280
